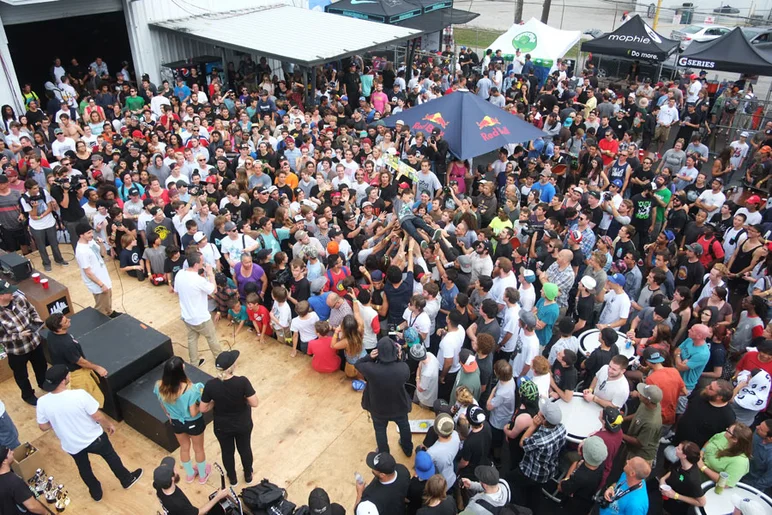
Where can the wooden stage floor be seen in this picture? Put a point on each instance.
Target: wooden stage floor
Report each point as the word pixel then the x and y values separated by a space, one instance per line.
pixel 310 429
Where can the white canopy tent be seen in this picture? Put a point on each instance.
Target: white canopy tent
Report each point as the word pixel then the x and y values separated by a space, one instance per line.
pixel 545 44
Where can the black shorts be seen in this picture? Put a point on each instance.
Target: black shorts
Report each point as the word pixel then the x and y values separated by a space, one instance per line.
pixel 191 427
pixel 13 240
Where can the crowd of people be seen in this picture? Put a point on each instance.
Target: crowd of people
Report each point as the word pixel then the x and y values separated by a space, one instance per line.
pixel 463 289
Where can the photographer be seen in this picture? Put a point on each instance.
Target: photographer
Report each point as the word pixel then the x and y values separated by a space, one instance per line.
pixel 439 154
pixel 628 496
pixel 39 204
pixel 173 500
pixel 68 194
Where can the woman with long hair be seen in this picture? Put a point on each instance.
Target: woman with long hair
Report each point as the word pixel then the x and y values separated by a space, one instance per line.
pixel 232 399
pixel 348 337
pixel 683 481
pixel 708 317
pixel 681 312
pixel 180 398
pixel 435 498
pixel 661 339
pixel 728 451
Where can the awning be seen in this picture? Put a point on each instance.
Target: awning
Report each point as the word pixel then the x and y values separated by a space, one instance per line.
pixel 314 37
pixel 435 21
pixel 732 52
pixel 634 39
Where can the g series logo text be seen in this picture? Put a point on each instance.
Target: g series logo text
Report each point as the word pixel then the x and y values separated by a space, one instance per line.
pixel 685 61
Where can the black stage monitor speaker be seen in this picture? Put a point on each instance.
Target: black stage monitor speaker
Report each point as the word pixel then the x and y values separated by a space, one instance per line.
pixel 15 266
pixel 128 349
pixel 142 411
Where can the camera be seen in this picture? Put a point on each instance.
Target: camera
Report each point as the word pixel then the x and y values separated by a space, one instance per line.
pixel 527 230
pixel 194 191
pixel 607 195
pixel 446 190
pixel 600 500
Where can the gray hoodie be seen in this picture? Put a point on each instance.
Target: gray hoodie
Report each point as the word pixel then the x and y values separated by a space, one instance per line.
pixel 499 498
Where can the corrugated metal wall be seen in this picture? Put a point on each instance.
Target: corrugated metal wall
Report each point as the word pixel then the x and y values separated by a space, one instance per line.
pixel 152 47
pixel 59 10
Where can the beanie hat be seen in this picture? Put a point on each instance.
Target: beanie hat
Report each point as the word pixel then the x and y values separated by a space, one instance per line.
pixel 550 291
pixel 528 390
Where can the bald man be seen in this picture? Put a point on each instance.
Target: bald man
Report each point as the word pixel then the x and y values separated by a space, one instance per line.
pixel 561 273
pixel 690 359
pixel 636 500
pixel 339 308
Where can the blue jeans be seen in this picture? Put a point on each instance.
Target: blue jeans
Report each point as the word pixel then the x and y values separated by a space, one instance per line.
pixel 9 436
pixel 405 435
pixel 411 225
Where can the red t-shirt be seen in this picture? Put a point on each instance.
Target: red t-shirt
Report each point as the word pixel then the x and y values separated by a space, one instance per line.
pixel 670 382
pixel 751 360
pixel 337 280
pixel 260 318
pixel 612 145
pixel 325 358
pixel 711 251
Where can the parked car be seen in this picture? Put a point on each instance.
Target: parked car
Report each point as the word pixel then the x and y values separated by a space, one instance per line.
pixel 698 32
pixel 726 9
pixel 758 35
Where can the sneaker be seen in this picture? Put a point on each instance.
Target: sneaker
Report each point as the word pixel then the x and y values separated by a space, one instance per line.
pixel 201 361
pixel 234 481
pixel 63 263
pixel 424 245
pixel 202 479
pixel 134 478
pixel 96 496
pixel 248 478
pixel 190 479
pixel 408 452
pixel 358 385
pixel 437 235
pixel 47 268
pixel 32 401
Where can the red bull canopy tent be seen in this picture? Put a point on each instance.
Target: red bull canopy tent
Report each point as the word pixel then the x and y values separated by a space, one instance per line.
pixel 471 126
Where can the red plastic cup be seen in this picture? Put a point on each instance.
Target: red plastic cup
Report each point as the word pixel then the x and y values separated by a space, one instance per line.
pixel 36 277
pixel 44 283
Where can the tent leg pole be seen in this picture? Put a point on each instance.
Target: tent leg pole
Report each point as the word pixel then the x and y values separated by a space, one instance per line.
pixel 313 85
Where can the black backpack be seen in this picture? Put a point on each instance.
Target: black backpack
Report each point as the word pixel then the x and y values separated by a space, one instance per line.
pixel 263 495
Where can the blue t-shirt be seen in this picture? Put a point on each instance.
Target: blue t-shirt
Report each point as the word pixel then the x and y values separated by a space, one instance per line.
pixel 549 315
pixel 271 242
pixel 319 305
pixel 182 92
pixel 634 503
pixel 697 358
pixel 180 409
pixel 241 316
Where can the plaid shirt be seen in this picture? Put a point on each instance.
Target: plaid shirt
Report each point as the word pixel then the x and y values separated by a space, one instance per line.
pixel 564 279
pixel 541 453
pixel 15 318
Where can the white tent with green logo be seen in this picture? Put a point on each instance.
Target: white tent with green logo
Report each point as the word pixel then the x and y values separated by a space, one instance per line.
pixel 545 44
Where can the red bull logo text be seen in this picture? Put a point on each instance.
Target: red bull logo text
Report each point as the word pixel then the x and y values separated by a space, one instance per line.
pixel 491 128
pixel 434 120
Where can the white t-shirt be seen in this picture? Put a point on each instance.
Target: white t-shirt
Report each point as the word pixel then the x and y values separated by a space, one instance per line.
pixel 527 297
pixel 42 223
pixel 511 324
pixel 430 379
pixel 369 338
pixel 739 152
pixel 542 383
pixel 450 346
pixel 712 199
pixel 193 291
pixel 281 310
pixel 420 323
pixel 89 257
pixel 305 327
pixel 60 147
pixel 616 391
pixel 431 309
pixel 526 348
pixel 617 306
pixel 69 413
pixel 750 218
pixel 733 238
pixel 235 248
pixel 500 284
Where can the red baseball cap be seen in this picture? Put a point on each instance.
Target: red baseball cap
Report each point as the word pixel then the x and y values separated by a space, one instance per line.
pixel 136 134
pixel 403 186
pixel 753 199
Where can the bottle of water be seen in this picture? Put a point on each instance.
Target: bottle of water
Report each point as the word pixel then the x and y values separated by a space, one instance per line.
pixel 628 343
pixel 358 478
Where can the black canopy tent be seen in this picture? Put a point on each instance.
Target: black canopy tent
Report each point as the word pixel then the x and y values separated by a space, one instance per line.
pixel 732 52
pixel 383 11
pixel 634 39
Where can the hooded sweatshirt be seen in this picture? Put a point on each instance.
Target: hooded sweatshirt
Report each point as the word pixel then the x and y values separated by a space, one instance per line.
pixel 495 499
pixel 385 395
pixel 162 173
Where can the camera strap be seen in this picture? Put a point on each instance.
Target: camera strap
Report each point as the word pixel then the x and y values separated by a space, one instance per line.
pixel 619 495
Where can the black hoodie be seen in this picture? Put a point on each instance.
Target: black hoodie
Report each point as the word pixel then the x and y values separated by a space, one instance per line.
pixel 385 395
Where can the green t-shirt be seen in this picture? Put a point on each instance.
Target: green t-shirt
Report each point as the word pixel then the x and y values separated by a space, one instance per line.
pixel 134 103
pixel 664 195
pixel 735 466
pixel 646 426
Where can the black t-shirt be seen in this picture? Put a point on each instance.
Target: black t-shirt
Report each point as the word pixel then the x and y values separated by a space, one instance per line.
pixel 597 215
pixel 582 485
pixel 685 483
pixel 232 414
pixel 13 492
pixel 622 248
pixel 130 257
pixel 172 266
pixel 676 220
pixel 177 503
pixel 598 358
pixel 415 493
pixel 389 498
pixel 642 212
pixel 239 214
pixel 692 232
pixel 399 298
pixel 565 377
pixel 446 507
pixel 476 449
pixel 300 290
pixel 584 309
pixel 702 420
pixel 688 274
pixel 643 175
pixel 64 350
pixel 73 212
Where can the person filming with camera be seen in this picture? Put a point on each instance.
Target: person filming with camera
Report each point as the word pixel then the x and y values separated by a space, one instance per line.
pixel 68 194
pixel 628 496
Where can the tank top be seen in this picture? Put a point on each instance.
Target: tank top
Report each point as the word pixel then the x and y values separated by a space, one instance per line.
pixel 618 171
pixel 744 258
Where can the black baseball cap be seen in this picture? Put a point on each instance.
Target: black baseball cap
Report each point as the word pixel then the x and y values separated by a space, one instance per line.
pixel 382 462
pixel 226 359
pixel 54 377
pixel 163 475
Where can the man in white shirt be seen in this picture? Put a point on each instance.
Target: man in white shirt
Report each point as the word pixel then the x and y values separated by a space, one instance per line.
pixel 668 115
pixel 234 245
pixel 686 175
pixel 526 347
pixel 518 62
pixel 81 428
pixel 90 256
pixel 616 309
pixel 62 144
pixel 157 102
pixel 711 200
pixel 740 150
pixel 695 86
pixel 194 290
pixel 609 387
pixel 734 236
pixel 503 277
pixel 448 355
